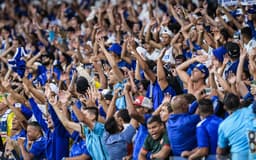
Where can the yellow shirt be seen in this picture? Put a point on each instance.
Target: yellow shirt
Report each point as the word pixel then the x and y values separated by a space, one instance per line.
pixel 6 124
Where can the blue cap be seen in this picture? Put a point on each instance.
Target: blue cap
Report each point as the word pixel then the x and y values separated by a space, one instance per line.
pixel 203 69
pixel 237 12
pixel 191 67
pixel 252 10
pixel 116 48
pixel 219 53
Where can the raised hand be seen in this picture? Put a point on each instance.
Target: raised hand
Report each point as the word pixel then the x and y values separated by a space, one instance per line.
pixel 110 9
pixel 21 141
pixel 53 100
pixel 90 98
pixel 120 11
pixel 6 85
pixel 167 98
pixel 162 54
pixel 101 43
pixel 153 22
pixel 95 93
pixel 165 20
pixel 47 91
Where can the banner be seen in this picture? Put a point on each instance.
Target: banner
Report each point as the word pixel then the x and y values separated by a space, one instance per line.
pixel 235 2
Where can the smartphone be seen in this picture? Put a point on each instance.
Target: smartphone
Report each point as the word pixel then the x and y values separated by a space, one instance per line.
pixel 207 91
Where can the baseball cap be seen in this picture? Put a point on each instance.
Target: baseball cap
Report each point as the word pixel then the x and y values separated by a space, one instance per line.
pixel 219 53
pixel 252 10
pixel 236 12
pixel 116 48
pixel 166 30
pixel 107 94
pixel 203 69
pixel 143 102
pixel 233 49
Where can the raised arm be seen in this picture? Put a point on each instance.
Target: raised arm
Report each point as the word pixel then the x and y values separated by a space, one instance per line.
pixel 69 125
pixel 131 109
pixel 112 105
pixel 81 117
pixel 241 65
pixel 25 154
pixel 36 93
pixel 181 69
pixel 38 114
pixel 111 60
pixel 30 63
pixel 123 54
pixel 231 18
pixel 7 87
pixel 241 87
pixel 142 63
pixel 17 113
pixel 161 77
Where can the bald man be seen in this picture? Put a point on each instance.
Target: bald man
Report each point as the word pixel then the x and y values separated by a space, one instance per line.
pixel 181 126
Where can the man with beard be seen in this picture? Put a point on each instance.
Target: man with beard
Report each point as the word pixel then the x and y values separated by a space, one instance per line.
pixel 41 64
pixel 196 82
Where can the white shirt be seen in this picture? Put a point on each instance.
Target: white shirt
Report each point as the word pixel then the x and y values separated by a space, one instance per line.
pixel 250 45
pixel 168 56
pixel 144 53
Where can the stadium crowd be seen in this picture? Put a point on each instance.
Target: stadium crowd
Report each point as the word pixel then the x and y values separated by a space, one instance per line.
pixel 121 80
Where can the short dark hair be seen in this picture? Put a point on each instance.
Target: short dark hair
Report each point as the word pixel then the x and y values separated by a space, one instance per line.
pixel 246 32
pixel 190 98
pixel 145 83
pixel 93 110
pixel 231 101
pixel 20 40
pixel 111 125
pixel 124 114
pixel 225 34
pixel 155 118
pixel 205 106
pixel 168 105
pixel 36 125
pixel 82 85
